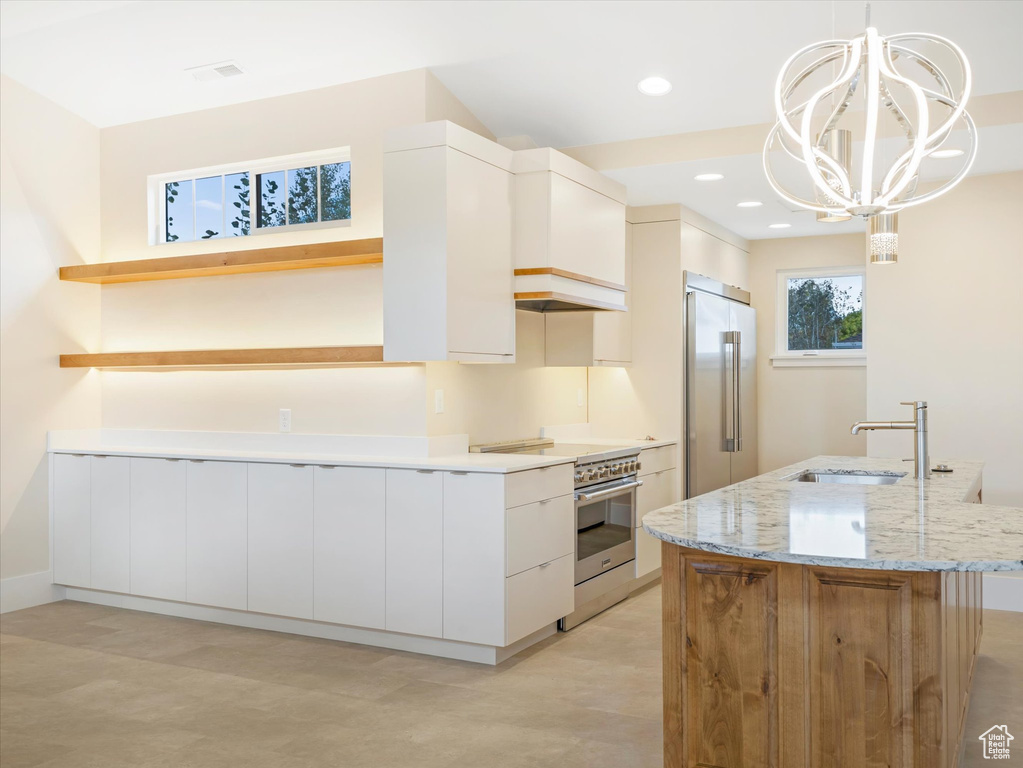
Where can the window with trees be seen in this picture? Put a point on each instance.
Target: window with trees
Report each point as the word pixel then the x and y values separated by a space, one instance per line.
pixel 299 191
pixel 820 315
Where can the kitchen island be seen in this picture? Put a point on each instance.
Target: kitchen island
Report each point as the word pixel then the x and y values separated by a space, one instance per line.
pixel 812 619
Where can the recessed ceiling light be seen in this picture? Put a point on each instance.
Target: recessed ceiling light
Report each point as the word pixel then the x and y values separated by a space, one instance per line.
pixel 942 154
pixel 749 204
pixel 654 86
pixel 778 226
pixel 709 176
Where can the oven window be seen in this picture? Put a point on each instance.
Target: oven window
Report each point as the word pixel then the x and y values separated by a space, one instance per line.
pixel 602 525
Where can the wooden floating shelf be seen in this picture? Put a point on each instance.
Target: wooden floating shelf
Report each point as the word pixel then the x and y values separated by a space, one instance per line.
pixel 211 358
pixel 344 253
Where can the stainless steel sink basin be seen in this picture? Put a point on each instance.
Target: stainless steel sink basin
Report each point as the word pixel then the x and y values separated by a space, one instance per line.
pixel 810 476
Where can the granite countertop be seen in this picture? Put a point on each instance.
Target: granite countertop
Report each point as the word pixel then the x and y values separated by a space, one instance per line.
pixel 909 526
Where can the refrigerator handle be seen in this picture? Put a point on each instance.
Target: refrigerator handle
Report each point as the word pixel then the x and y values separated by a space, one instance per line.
pixel 735 339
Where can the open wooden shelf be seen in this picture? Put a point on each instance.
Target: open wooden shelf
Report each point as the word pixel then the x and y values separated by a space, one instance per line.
pixel 211 358
pixel 338 254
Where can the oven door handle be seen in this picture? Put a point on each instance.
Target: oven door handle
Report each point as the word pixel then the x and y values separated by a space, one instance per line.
pixel 616 491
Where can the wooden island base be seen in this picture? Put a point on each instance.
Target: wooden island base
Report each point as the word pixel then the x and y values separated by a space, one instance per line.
pixel 780 665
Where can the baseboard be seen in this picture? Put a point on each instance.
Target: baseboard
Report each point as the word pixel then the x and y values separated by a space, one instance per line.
pixel 1003 592
pixel 29 590
pixel 449 649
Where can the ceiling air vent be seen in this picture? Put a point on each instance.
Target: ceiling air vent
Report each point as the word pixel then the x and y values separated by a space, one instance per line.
pixel 217 71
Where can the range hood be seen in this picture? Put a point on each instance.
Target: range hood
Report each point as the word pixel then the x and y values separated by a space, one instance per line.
pixel 549 289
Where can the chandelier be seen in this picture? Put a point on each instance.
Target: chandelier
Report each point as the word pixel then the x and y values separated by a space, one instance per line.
pixel 905 110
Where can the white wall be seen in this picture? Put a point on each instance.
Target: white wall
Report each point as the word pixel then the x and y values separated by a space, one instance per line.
pixel 945 327
pixel 803 411
pixel 49 205
pixel 300 308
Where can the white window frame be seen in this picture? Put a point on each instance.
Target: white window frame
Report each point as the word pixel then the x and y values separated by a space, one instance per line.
pixel 783 357
pixel 157 196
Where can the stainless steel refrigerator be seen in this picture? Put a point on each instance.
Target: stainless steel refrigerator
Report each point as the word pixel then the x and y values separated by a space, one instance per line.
pixel 720 397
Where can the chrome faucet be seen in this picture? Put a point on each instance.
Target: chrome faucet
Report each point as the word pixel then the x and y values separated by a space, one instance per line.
pixel 921 459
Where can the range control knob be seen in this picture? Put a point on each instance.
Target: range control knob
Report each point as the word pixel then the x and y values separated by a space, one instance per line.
pixel 591 474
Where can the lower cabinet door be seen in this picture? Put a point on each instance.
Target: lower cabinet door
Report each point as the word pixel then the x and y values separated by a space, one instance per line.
pixel 158 528
pixel 72 535
pixel 648 553
pixel 415 552
pixel 217 529
pixel 111 526
pixel 474 569
pixel 539 596
pixel 281 540
pixel 349 554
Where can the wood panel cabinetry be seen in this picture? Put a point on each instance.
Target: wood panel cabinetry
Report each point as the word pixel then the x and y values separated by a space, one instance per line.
pixel 778 664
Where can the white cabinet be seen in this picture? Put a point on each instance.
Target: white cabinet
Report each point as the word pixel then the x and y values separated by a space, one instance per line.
pixel 280 540
pixel 593 338
pixel 158 528
pixel 110 523
pixel 349 551
pixel 660 489
pixel 539 532
pixel 415 552
pixel 474 558
pixel 448 279
pixel 216 531
pixel 539 596
pixel 72 534
pixel 569 231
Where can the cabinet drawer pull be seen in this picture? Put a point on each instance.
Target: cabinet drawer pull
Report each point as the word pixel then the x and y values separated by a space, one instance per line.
pixel 166 459
pixel 98 456
pixel 545 501
pixel 324 466
pixel 544 565
pixel 298 466
pixel 426 471
pixel 197 461
pixel 79 455
pixel 459 473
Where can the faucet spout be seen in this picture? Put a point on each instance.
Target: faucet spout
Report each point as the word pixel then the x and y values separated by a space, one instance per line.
pixel 918 425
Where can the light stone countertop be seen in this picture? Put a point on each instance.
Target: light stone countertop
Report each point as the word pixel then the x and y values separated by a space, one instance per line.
pixel 909 526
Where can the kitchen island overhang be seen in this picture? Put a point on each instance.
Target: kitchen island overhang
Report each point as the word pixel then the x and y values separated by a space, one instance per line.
pixel 826 624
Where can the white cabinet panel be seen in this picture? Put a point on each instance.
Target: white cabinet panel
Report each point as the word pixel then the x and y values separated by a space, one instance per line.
pixel 349 554
pixel 415 551
pixel 540 532
pixel 474 570
pixel 656 459
pixel 658 490
pixel 536 484
pixel 539 596
pixel 281 540
pixel 217 514
pixel 648 553
pixel 111 526
pixel 587 231
pixel 72 562
pixel 158 528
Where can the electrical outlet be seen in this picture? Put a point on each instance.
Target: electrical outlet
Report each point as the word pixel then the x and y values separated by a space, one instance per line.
pixel 579 398
pixel 284 420
pixel 438 401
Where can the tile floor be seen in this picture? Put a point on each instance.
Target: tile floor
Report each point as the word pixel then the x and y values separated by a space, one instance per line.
pixel 84 685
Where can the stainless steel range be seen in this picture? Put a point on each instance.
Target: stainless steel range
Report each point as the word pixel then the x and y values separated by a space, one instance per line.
pixel 605 519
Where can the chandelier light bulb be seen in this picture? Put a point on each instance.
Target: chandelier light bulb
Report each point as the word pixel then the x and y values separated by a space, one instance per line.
pixel 884 238
pixel 901 89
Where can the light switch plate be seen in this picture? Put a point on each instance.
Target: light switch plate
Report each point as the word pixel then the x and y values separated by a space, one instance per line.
pixel 579 398
pixel 438 401
pixel 284 420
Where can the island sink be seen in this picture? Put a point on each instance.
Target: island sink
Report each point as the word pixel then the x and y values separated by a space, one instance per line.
pixel 844 478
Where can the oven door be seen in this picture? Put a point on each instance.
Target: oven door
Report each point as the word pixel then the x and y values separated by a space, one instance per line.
pixel 605 519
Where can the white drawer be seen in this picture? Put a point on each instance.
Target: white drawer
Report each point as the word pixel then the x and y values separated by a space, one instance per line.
pixel 658 490
pixel 538 533
pixel 536 484
pixel 656 459
pixel 648 553
pixel 539 596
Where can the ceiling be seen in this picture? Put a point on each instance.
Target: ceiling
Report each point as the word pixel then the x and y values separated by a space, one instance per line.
pixel 564 73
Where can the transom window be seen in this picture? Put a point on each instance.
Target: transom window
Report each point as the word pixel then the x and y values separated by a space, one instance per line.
pixel 820 316
pixel 294 192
